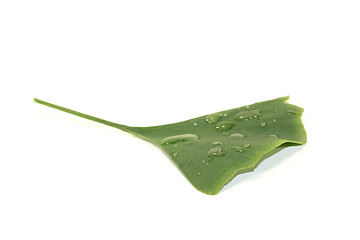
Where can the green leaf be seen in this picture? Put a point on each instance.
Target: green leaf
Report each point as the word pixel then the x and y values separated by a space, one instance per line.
pixel 211 150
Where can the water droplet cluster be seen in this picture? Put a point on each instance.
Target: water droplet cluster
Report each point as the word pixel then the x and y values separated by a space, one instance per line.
pixel 239 143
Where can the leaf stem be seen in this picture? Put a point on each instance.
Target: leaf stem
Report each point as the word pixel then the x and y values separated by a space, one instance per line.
pixel 86 116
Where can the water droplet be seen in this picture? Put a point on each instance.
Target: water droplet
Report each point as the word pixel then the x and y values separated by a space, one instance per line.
pixel 195 124
pixel 263 124
pixel 179 138
pixel 175 154
pixel 214 117
pixel 203 161
pixel 274 120
pixel 246 145
pixel 239 149
pixel 237 135
pixel 175 145
pixel 224 115
pixel 224 125
pixel 216 152
pixel 199 173
pixel 274 136
pixel 216 143
pixel 291 112
pixel 247 115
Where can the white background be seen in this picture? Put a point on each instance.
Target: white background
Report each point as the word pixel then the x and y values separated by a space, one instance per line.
pixel 154 62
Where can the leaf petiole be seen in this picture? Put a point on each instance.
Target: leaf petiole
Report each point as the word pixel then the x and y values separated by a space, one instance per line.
pixel 86 116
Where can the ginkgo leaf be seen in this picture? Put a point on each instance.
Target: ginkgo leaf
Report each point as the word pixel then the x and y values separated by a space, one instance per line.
pixel 211 150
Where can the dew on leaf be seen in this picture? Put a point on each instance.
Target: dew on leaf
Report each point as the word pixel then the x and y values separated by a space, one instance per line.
pixel 246 145
pixel 237 135
pixel 179 138
pixel 247 115
pixel 171 138
pixel 214 117
pixel 291 112
pixel 274 136
pixel 224 125
pixel 216 152
pixel 239 149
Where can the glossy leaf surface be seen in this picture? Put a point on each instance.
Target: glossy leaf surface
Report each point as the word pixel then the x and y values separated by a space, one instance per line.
pixel 211 150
